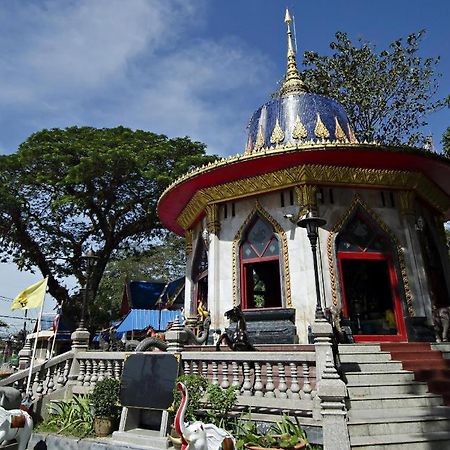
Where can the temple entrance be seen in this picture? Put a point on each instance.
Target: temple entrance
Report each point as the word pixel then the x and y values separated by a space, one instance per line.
pixel 369 284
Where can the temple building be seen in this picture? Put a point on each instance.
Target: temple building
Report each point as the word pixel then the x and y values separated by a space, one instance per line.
pixel 382 256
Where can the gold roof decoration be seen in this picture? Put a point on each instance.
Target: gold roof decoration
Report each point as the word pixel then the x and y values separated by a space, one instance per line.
pixel 292 84
pixel 299 131
pixel 321 130
pixel 249 146
pixel 339 132
pixel 259 143
pixel 277 136
pixel 353 139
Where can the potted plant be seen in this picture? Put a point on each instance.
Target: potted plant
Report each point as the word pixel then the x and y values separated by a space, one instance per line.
pixel 106 405
pixel 285 434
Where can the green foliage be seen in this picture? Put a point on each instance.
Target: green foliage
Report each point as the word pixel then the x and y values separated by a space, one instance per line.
pixel 67 190
pixel 220 402
pixel 283 434
pixel 196 386
pixel 386 94
pixel 446 142
pixel 105 398
pixel 72 417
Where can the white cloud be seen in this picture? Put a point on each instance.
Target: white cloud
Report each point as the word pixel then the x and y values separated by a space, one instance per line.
pixel 139 63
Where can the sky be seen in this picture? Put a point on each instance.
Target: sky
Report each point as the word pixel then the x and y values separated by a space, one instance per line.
pixel 177 67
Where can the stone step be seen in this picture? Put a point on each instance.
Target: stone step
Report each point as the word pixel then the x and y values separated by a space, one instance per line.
pixel 374 366
pixel 413 356
pixel 362 390
pixel 437 440
pixel 143 437
pixel 396 376
pixel 441 346
pixel 363 357
pixel 396 401
pixel 358 348
pixel 398 413
pixel 405 346
pixel 404 425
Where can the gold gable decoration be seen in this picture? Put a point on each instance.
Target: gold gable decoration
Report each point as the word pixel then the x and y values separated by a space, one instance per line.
pixel 259 143
pixel 352 136
pixel 299 131
pixel 339 132
pixel 321 130
pixel 277 136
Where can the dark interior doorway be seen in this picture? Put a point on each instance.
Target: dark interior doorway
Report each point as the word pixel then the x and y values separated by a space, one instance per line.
pixel 369 300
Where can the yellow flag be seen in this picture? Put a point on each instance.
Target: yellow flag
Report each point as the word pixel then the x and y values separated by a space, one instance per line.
pixel 31 297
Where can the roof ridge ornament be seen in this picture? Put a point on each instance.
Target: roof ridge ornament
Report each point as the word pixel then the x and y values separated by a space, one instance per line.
pixel 321 131
pixel 277 136
pixel 299 131
pixel 292 83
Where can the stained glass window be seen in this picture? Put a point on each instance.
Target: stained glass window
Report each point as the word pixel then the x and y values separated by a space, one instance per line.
pixel 260 241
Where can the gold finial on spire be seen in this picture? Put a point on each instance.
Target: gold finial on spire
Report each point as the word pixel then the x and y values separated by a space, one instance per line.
pixel 292 84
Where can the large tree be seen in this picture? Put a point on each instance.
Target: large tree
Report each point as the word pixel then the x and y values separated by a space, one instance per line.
pixel 68 190
pixel 446 142
pixel 387 94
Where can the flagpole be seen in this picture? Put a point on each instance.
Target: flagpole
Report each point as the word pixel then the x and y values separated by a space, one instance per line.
pixel 59 308
pixel 38 329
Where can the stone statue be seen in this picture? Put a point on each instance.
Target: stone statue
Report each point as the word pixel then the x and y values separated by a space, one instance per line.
pixel 441 323
pixel 10 398
pixel 199 435
pixel 15 424
pixel 239 340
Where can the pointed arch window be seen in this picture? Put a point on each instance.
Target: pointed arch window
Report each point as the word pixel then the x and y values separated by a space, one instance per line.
pixel 260 266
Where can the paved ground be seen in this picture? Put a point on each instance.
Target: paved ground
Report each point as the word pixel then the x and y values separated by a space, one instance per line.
pixel 44 441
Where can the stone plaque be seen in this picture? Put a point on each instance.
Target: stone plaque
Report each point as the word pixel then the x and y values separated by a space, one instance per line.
pixel 148 380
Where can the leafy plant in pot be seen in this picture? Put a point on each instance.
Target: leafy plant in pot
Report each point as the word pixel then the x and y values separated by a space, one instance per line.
pixel 106 406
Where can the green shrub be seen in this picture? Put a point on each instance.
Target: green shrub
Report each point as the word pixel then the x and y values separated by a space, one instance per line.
pixel 220 402
pixel 196 386
pixel 72 417
pixel 105 398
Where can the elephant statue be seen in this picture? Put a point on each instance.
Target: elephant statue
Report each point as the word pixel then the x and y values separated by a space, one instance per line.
pixel 441 323
pixel 199 435
pixel 15 424
pixel 10 398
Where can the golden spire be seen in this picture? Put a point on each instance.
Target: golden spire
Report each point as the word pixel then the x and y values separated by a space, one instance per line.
pixel 292 84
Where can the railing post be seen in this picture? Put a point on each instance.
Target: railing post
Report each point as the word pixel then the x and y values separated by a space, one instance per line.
pixel 322 332
pixel 80 343
pixel 176 337
pixel 332 392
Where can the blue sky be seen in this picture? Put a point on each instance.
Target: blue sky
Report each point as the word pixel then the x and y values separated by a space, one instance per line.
pixel 178 67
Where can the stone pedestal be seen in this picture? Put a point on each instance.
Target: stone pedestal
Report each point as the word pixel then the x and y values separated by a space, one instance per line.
pixel 322 332
pixel 25 355
pixel 332 393
pixel 176 337
pixel 80 343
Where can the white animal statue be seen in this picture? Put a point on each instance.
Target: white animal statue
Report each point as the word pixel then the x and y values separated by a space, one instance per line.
pixel 15 424
pixel 199 435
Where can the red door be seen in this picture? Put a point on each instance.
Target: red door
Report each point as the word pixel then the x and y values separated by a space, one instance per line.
pixel 370 294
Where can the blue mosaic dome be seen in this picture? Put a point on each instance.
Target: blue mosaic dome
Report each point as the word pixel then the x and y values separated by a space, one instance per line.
pixel 298 118
pixel 296 115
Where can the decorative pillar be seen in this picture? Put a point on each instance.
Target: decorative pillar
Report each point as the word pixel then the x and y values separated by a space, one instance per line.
pixel 176 337
pixel 213 227
pixel 332 393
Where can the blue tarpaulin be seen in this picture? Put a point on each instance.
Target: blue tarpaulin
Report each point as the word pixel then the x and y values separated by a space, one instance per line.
pixel 144 294
pixel 139 319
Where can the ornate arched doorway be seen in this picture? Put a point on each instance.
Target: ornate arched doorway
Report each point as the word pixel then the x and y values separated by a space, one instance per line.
pixel 370 291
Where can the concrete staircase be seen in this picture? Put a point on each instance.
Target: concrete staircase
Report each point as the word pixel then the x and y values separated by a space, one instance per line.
pixel 388 408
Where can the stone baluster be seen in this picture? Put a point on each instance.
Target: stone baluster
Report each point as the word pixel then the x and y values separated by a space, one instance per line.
pixel 270 387
pixel 87 374
pixel 81 371
pixel 66 370
pixel 60 380
pixel 195 368
pixel 101 370
pixel 225 382
pixel 295 387
pixel 215 373
pixel 306 390
pixel 205 369
pixel 186 368
pixel 117 369
pixel 235 373
pixel 332 392
pixel 258 387
pixel 109 369
pixel 247 385
pixel 282 386
pixel 35 381
pixel 94 376
pixel 40 384
pixel 49 379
